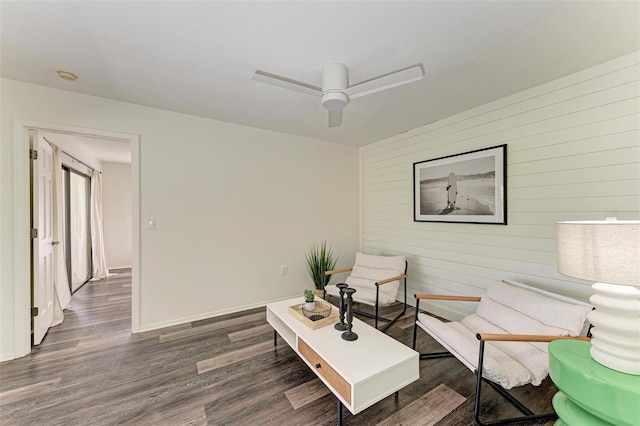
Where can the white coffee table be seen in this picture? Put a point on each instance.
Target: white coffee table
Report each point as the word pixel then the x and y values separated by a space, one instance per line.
pixel 358 373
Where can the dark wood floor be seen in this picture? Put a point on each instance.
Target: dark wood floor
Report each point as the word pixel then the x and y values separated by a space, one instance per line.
pixel 91 370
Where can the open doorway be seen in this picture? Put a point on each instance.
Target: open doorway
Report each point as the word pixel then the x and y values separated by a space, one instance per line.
pixel 22 293
pixel 83 239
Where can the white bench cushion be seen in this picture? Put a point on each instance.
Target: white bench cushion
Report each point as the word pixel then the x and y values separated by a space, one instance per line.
pixel 528 354
pixel 506 308
pixel 462 343
pixel 551 312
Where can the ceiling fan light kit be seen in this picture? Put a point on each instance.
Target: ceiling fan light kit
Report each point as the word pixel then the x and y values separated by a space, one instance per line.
pixel 335 92
pixel 334 99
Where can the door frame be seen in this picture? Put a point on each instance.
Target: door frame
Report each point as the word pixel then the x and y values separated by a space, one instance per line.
pixel 21 217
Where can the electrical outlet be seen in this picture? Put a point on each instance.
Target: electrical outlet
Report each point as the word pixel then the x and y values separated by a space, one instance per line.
pixel 151 223
pixel 284 270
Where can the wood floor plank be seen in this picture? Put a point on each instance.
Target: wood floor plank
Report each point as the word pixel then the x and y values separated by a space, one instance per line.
pixel 258 396
pixel 28 391
pixel 210 327
pixel 195 417
pixel 88 343
pixel 250 332
pixel 306 393
pixel 405 322
pixel 118 298
pixel 186 412
pixel 232 357
pixel 427 410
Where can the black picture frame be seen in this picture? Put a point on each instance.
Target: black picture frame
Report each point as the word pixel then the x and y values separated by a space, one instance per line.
pixel 470 187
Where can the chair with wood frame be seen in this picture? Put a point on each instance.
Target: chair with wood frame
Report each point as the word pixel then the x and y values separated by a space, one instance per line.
pixel 506 338
pixel 376 280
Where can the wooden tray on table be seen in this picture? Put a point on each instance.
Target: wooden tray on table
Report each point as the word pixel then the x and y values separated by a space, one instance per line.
pixel 296 312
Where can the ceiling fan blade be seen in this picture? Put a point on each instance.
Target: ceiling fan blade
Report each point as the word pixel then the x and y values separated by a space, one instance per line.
pixel 385 82
pixel 286 83
pixel 335 117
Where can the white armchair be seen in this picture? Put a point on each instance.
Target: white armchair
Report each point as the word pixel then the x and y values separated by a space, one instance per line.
pixel 518 321
pixel 377 281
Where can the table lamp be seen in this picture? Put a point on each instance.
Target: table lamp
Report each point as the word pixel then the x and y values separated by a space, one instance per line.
pixel 607 252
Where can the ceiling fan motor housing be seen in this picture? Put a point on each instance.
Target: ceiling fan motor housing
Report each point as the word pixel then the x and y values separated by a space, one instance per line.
pixel 335 79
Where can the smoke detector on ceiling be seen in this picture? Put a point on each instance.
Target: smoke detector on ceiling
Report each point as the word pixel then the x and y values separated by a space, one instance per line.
pixel 69 76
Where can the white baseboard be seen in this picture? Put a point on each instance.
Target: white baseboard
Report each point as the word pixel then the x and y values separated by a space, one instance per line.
pixel 119 267
pixel 207 315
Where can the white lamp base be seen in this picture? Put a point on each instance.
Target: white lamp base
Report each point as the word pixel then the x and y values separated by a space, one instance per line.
pixel 616 327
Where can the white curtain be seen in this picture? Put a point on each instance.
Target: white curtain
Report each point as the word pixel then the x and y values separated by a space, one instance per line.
pixel 100 269
pixel 62 294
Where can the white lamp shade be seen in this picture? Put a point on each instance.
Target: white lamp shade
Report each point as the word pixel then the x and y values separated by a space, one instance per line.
pixel 607 252
pixel 602 251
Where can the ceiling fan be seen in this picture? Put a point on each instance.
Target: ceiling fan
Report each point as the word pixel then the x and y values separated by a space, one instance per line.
pixel 335 92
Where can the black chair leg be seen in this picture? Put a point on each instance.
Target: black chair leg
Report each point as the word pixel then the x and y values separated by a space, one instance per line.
pixel 528 414
pixel 389 321
pixel 430 355
pixel 377 300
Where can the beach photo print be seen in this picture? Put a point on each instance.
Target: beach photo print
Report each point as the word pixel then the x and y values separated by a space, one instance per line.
pixel 466 188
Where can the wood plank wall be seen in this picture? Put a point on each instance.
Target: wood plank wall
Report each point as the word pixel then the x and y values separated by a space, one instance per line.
pixel 573 153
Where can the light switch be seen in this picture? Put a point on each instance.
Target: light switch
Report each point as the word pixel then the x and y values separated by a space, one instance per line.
pixel 151 223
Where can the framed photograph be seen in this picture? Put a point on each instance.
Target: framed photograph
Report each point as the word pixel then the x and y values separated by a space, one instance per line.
pixel 468 188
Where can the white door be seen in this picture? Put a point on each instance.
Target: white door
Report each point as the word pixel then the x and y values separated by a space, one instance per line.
pixel 42 220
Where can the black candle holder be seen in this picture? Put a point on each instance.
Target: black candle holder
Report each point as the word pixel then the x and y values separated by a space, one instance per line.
pixel 341 326
pixel 349 335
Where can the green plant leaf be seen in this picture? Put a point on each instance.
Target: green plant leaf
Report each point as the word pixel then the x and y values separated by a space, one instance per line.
pixel 320 259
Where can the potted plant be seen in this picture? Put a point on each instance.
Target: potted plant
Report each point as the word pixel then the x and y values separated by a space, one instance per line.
pixel 309 298
pixel 320 259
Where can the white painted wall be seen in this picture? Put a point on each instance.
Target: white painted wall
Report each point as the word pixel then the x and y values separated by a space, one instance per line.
pixel 232 204
pixel 116 214
pixel 573 153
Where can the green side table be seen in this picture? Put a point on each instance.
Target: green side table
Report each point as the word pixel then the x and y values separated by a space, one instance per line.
pixel 590 393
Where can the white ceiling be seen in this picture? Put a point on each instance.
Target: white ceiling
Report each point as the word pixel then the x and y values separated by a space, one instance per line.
pixel 198 57
pixel 91 148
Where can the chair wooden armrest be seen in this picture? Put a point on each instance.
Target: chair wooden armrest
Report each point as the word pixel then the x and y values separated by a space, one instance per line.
pixel 337 271
pixel 525 337
pixel 390 280
pixel 447 297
